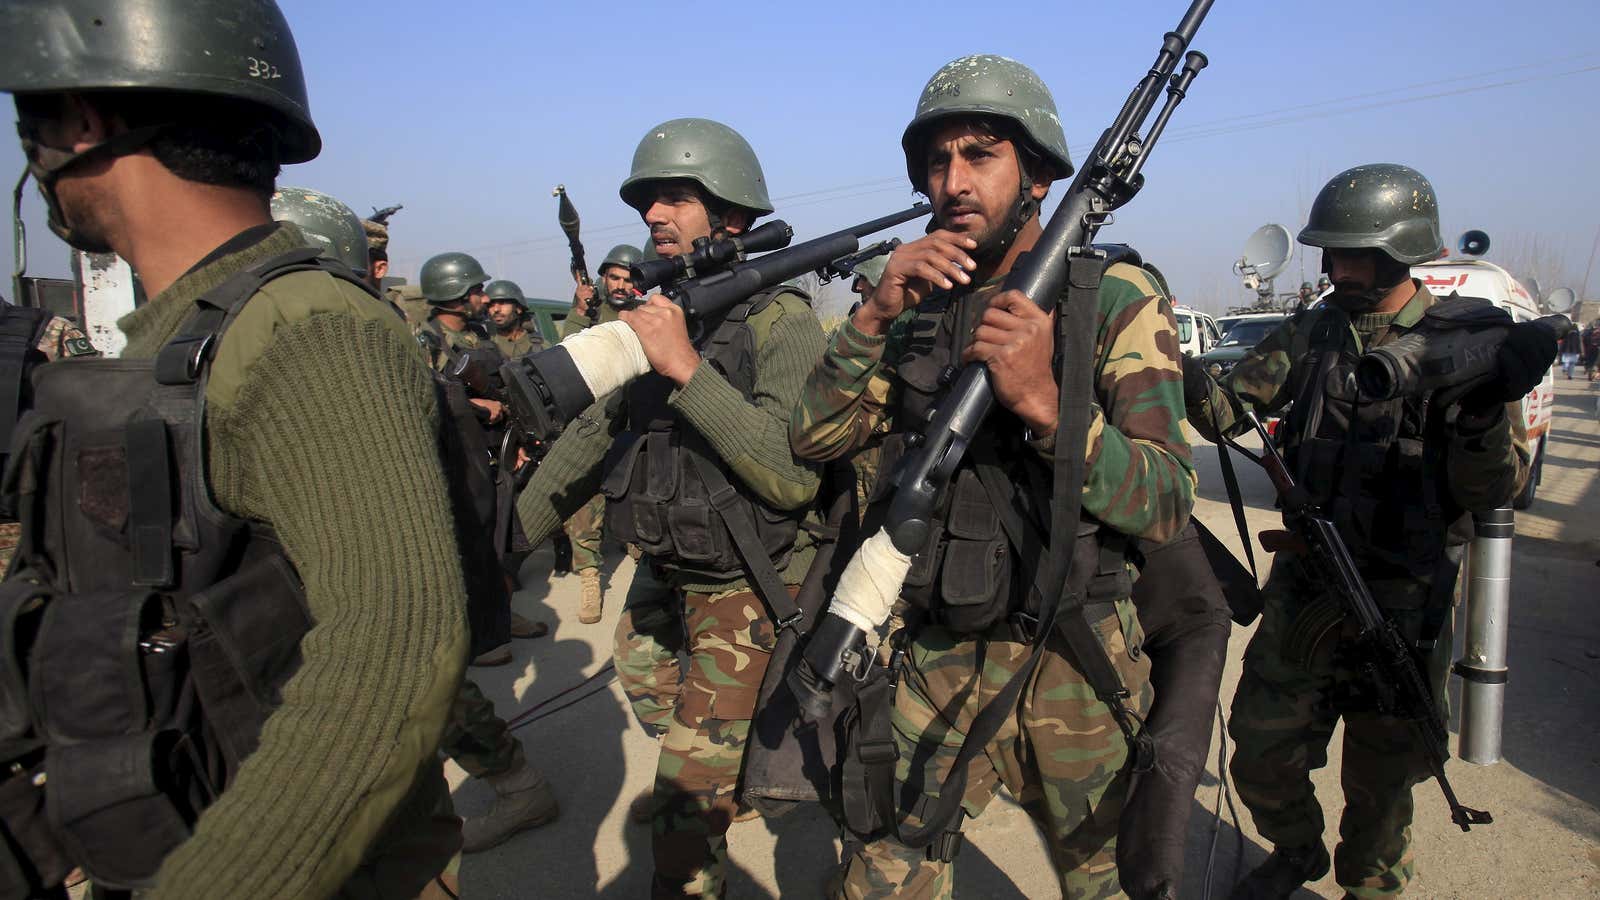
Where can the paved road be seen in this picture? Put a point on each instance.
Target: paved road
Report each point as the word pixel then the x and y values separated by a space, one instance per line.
pixel 1545 796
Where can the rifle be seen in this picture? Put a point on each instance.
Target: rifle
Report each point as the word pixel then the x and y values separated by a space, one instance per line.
pixel 715 275
pixel 845 266
pixel 381 216
pixel 1388 661
pixel 1110 178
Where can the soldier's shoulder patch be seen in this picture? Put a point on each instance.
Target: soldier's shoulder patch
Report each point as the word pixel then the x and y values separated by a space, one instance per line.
pixel 78 345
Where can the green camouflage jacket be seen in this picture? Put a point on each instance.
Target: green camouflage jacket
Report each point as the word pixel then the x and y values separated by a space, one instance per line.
pixel 1139 480
pixel 1483 470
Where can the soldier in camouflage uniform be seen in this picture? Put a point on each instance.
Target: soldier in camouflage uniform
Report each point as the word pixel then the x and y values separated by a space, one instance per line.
pixel 985 146
pixel 377 253
pixel 584 529
pixel 507 310
pixel 1400 489
pixel 709 413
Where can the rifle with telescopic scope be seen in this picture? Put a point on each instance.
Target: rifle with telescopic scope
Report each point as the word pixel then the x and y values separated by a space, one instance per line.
pixel 544 391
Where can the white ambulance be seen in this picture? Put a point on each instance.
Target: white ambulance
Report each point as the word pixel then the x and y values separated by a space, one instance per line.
pixel 1480 278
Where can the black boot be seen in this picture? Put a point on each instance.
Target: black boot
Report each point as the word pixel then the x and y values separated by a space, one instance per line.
pixel 1283 873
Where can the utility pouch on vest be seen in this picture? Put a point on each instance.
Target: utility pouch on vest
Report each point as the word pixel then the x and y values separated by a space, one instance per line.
pixel 975 579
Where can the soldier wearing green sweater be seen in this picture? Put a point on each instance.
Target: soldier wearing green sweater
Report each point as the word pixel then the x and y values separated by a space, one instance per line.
pixel 713 416
pixel 323 747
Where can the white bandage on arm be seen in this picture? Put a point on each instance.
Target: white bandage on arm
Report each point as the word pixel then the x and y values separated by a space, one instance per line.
pixel 870 583
pixel 608 356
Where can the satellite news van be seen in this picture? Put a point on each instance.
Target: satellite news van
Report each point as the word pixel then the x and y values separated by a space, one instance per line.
pixel 1473 277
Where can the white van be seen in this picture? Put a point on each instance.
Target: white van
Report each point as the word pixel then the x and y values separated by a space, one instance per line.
pixel 1197 332
pixel 1484 280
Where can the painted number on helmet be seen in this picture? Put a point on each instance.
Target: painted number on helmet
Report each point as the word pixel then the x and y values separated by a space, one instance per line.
pixel 260 68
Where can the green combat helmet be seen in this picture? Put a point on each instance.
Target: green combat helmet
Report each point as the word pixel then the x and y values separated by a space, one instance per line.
pixel 330 225
pixel 1384 206
pixel 1306 286
pixel 239 50
pixel 448 277
pixel 708 153
pixel 624 255
pixel 504 291
pixel 987 85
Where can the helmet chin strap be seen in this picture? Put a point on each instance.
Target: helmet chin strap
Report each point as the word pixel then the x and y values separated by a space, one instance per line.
pixel 47 176
pixel 1025 207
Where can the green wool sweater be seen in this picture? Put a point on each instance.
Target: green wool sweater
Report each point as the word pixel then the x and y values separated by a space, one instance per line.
pixel 751 437
pixel 320 422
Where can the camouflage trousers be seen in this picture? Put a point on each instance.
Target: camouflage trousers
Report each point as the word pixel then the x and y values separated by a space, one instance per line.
pixel 1061 754
pixel 645 649
pixel 1291 695
pixel 476 737
pixel 584 532
pixel 702 714
pixel 10 536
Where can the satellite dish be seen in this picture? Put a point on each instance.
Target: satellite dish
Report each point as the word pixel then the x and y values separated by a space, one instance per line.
pixel 1266 253
pixel 1561 300
pixel 1473 243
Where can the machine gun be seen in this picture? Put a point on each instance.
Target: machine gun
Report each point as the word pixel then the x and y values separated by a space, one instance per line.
pixel 1390 665
pixel 1109 179
pixel 381 216
pixel 715 275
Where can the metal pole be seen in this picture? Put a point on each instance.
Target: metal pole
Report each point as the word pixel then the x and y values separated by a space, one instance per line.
pixel 1584 294
pixel 1482 666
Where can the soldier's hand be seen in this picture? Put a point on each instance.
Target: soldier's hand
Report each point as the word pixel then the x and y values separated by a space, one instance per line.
pixel 662 330
pixel 493 408
pixel 582 294
pixel 1016 340
pixel 937 262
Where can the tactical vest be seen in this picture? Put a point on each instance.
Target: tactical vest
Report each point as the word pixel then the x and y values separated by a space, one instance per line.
pixel 21 328
pixel 974 572
pixel 146 632
pixel 664 489
pixel 1376 468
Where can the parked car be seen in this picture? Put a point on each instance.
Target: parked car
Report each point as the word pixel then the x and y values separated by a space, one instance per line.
pixel 1244 332
pixel 1197 331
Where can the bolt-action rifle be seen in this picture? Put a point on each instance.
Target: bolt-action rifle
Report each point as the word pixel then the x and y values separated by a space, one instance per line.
pixel 381 216
pixel 1390 665
pixel 716 274
pixel 845 266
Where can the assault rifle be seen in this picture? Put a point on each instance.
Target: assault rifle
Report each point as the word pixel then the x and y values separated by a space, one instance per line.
pixel 1389 663
pixel 381 216
pixel 717 274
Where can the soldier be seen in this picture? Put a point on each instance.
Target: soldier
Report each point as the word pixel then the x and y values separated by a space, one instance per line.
pixel 507 310
pixel 985 147
pixel 377 252
pixel 452 284
pixel 150 135
pixel 1305 297
pixel 328 224
pixel 584 529
pixel 711 421
pixel 1399 483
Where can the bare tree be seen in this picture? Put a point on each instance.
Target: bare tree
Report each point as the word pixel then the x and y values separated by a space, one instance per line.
pixel 1533 256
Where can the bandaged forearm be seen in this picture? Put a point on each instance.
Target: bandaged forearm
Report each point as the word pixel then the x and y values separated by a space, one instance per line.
pixel 607 356
pixel 871 583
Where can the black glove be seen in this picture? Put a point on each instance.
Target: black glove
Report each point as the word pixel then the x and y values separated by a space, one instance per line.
pixel 1196 382
pixel 1527 354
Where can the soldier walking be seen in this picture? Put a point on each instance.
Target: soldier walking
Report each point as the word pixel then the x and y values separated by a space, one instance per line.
pixel 1399 478
pixel 985 146
pixel 711 420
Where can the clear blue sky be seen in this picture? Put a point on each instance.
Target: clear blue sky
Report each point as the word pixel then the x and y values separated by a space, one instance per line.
pixel 470 112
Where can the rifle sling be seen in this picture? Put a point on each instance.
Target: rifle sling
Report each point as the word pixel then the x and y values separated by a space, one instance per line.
pixel 764 577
